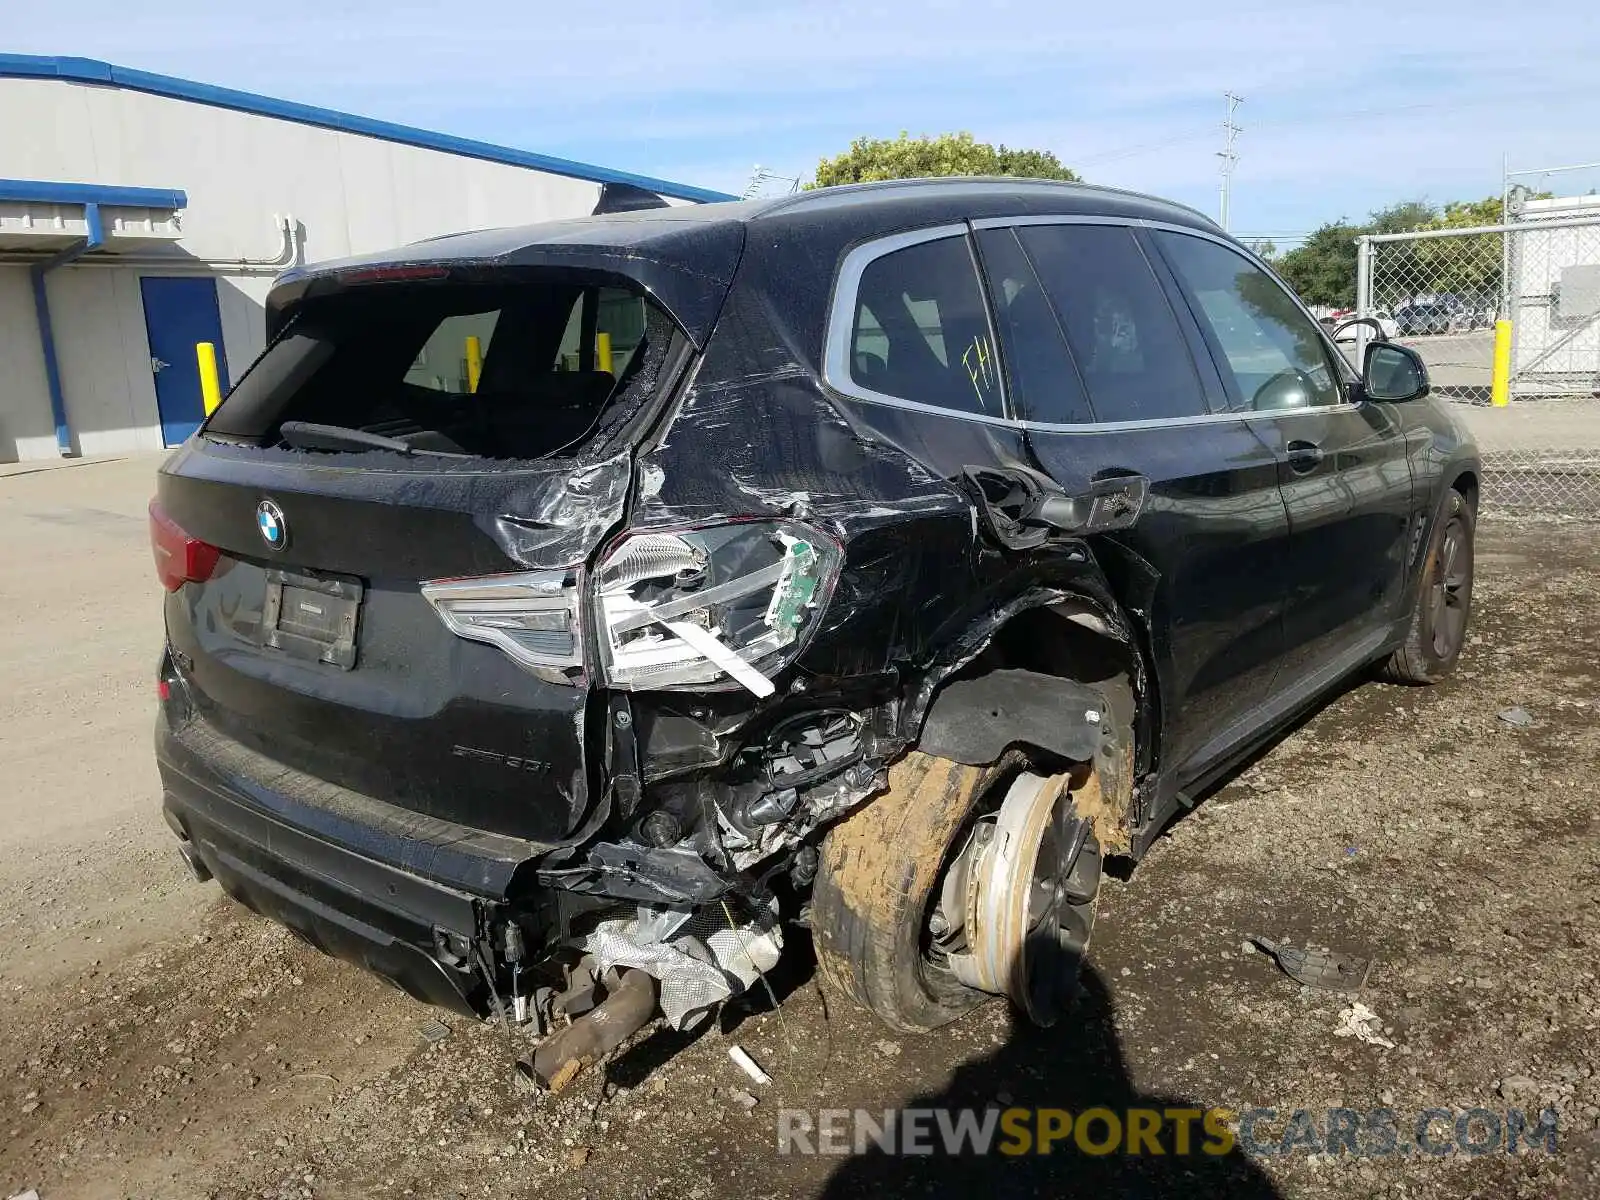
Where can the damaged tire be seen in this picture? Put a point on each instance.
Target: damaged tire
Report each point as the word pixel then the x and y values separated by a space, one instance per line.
pixel 961 883
pixel 876 886
pixel 1444 601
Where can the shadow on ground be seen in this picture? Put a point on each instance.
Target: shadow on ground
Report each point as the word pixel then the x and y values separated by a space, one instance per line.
pixel 1076 1066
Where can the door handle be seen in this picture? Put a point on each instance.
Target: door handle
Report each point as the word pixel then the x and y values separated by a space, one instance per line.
pixel 1304 456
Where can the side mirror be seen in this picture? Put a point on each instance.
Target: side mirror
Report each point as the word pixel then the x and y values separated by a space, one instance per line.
pixel 1393 373
pixel 1377 329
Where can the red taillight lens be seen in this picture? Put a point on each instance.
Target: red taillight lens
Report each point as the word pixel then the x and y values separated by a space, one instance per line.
pixel 180 559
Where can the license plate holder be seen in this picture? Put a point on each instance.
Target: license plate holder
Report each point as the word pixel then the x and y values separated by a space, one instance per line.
pixel 312 617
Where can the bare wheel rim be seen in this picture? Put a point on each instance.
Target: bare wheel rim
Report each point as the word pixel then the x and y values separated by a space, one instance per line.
pixel 1061 896
pixel 1451 592
pixel 1016 905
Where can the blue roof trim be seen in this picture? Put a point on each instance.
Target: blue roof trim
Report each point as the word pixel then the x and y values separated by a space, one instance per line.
pixel 89 70
pixel 38 191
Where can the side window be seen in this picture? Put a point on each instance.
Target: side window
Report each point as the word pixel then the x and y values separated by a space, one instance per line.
pixel 1124 337
pixel 1044 383
pixel 452 357
pixel 1271 351
pixel 920 331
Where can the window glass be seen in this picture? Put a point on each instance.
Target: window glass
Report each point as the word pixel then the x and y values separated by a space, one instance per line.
pixel 1044 383
pixel 449 361
pixel 619 325
pixel 1125 340
pixel 1271 349
pixel 921 332
pixel 469 368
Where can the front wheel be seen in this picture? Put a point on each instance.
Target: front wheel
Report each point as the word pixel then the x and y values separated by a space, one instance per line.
pixel 1444 600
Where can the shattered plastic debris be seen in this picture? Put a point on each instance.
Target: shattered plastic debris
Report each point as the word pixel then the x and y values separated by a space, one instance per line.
pixel 1317 968
pixel 1359 1021
pixel 1517 717
pixel 748 1065
pixel 743 1099
pixel 434 1031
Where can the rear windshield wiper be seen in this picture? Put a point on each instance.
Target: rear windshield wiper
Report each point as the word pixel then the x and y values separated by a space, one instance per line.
pixel 308 435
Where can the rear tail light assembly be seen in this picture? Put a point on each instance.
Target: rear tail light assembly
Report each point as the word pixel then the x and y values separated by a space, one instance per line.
pixel 710 608
pixel 719 606
pixel 179 558
pixel 532 616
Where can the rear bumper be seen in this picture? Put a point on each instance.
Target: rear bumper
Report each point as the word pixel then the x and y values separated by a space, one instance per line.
pixel 412 930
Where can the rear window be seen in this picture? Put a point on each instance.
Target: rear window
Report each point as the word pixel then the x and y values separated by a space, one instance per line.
pixel 493 371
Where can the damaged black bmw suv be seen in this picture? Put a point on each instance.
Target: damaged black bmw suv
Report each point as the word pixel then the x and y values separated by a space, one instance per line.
pixel 556 615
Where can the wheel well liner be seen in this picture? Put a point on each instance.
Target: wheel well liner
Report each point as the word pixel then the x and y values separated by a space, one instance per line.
pixel 974 720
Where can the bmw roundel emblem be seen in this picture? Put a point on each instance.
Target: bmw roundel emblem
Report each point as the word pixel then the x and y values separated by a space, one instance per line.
pixel 274 529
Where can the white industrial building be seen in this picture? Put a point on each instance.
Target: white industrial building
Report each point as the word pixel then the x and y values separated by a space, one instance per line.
pixel 1555 297
pixel 141 214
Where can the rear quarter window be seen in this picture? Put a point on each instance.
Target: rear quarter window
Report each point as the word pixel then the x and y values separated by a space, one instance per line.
pixel 920 330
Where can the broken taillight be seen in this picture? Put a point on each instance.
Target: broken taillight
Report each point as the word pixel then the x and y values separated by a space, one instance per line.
pixel 700 607
pixel 180 559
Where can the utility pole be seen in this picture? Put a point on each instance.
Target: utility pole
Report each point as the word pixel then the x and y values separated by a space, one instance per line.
pixel 1227 154
pixel 761 176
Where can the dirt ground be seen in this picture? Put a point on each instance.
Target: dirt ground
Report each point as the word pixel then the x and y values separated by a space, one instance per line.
pixel 158 1041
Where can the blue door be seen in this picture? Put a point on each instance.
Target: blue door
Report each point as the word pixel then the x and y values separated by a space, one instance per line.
pixel 178 313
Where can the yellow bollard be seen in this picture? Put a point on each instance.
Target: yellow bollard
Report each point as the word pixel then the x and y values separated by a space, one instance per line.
pixel 1500 392
pixel 210 383
pixel 474 363
pixel 602 352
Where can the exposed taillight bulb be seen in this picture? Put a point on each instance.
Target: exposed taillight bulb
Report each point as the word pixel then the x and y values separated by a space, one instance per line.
pixel 180 559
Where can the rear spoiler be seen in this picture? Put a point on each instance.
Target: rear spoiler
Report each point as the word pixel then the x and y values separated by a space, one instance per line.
pixel 684 265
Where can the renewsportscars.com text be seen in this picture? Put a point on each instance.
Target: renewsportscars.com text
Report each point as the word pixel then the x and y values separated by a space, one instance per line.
pixel 1371 1133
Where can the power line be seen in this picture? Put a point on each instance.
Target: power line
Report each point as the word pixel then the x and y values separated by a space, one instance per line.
pixel 1228 155
pixel 1110 156
pixel 1311 120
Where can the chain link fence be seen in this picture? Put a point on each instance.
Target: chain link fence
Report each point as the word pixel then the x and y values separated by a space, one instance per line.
pixel 1507 317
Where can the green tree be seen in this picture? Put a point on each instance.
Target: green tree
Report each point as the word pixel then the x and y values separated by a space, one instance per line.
pixel 1323 267
pixel 906 157
pixel 1403 217
pixel 1464 214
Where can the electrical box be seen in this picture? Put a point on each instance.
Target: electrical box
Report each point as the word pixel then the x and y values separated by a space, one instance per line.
pixel 1579 297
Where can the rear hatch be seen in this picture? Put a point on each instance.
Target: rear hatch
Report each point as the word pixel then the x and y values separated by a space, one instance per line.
pixel 374 549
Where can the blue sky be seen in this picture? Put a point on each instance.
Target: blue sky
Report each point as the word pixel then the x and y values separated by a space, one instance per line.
pixel 1349 105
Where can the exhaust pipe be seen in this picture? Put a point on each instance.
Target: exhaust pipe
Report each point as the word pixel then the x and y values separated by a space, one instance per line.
pixel 561 1056
pixel 194 862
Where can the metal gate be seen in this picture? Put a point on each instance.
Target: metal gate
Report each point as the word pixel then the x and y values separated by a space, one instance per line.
pixel 1507 318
